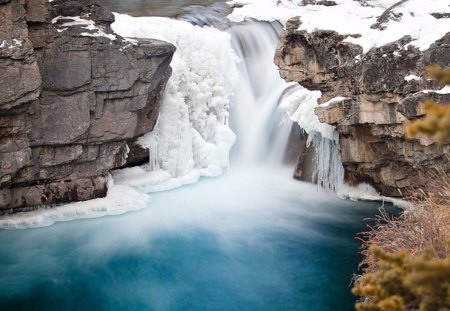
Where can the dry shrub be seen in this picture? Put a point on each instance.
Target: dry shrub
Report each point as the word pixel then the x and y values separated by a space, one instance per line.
pixel 424 224
pixel 397 249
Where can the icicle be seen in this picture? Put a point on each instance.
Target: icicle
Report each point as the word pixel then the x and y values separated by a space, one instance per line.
pixel 153 152
pixel 328 169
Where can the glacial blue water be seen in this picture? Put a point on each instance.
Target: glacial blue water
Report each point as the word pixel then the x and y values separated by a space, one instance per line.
pixel 252 240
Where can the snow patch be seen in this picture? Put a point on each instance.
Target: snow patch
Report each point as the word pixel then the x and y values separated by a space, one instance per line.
pixel 14 43
pixel 349 17
pixel 444 90
pixel 99 33
pixel 412 77
pixel 334 100
pixel 86 24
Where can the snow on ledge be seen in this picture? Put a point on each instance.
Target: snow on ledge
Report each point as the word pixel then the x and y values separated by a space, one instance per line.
pixel 412 77
pixel 86 24
pixel 333 101
pixel 444 90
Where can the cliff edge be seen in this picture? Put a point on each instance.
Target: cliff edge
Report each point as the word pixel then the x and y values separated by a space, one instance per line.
pixel 369 97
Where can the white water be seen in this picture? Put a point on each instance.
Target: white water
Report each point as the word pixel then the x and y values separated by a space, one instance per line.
pixel 262 129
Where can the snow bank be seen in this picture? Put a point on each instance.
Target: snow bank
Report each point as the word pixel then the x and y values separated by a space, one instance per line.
pixel 366 192
pixel 349 17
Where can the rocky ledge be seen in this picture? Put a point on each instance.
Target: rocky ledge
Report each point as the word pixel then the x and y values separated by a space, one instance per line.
pixel 74 98
pixel 369 97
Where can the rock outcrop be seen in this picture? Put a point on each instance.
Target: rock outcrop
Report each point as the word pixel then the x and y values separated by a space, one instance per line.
pixel 379 92
pixel 74 98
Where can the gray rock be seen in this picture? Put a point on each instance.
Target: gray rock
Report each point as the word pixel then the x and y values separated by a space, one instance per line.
pixel 71 102
pixel 61 119
pixel 412 106
pixel 64 70
pixel 19 73
pixel 36 11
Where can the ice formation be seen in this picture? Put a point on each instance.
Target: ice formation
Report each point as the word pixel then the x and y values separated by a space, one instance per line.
pixel 300 108
pixel 192 137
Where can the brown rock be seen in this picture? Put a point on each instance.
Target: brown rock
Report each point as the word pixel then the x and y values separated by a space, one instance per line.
pixel 379 100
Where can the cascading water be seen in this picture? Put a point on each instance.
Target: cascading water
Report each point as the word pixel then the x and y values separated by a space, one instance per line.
pixel 256 118
pixel 261 126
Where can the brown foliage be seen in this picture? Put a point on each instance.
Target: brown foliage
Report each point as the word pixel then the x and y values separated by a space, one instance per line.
pixel 409 247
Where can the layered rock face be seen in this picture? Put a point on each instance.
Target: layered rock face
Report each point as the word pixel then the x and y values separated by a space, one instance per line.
pixel 74 99
pixel 374 94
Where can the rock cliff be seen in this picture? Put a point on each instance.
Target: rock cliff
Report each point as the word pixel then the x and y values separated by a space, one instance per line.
pixel 74 98
pixel 369 97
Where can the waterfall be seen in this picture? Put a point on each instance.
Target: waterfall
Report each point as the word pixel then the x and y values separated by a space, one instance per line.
pixel 215 74
pixel 225 92
pixel 262 129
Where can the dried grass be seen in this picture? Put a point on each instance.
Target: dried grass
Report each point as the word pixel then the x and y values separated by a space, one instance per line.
pixel 425 224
